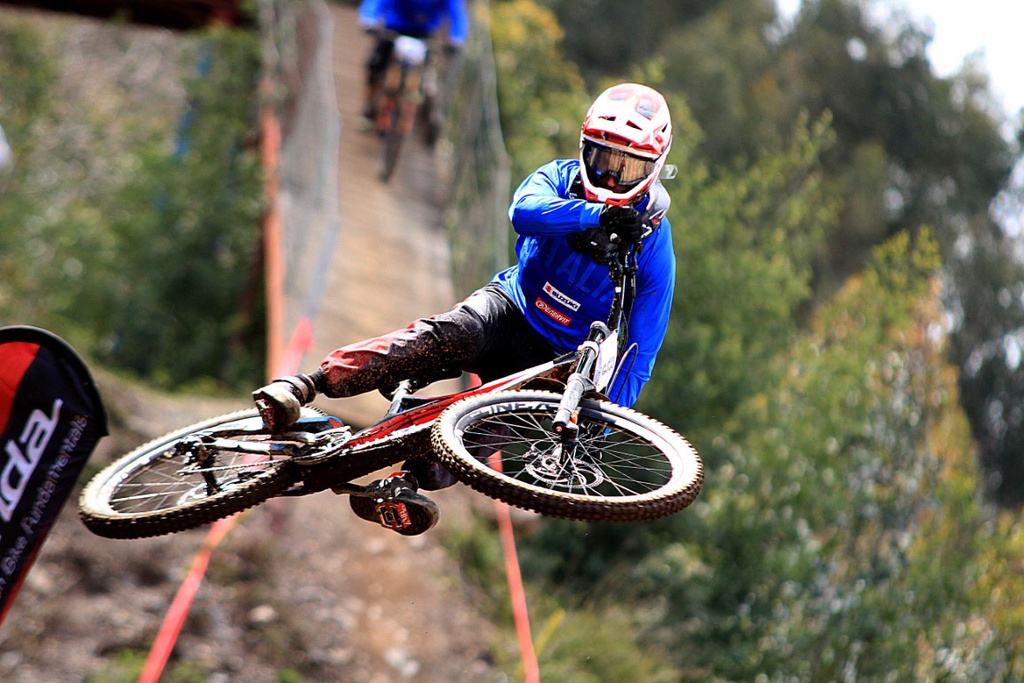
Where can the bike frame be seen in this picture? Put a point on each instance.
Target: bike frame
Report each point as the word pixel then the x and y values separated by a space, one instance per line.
pixel 329 455
pixel 405 430
pixel 401 89
pixel 401 96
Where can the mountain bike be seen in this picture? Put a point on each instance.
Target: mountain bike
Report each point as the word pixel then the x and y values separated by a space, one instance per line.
pixel 402 97
pixel 545 439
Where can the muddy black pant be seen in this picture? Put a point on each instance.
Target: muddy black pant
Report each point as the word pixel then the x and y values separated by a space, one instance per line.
pixel 485 334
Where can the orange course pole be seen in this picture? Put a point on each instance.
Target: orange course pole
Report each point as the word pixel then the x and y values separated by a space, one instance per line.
pixel 270 151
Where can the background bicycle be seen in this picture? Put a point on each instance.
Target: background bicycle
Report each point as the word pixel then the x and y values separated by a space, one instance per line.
pixel 411 95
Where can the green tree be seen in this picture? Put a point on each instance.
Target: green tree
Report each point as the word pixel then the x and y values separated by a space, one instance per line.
pixel 608 37
pixel 945 159
pixel 541 95
pixel 839 534
pixel 933 149
pixel 134 245
pixel 191 221
pixel 911 149
pixel 745 242
pixel 723 62
pixel 986 287
pixel 814 551
pixel 28 76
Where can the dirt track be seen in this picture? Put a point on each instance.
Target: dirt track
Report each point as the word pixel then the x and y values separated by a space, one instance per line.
pixel 391 261
pixel 302 585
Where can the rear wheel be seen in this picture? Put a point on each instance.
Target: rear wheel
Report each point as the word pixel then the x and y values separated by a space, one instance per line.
pixel 187 478
pixel 623 467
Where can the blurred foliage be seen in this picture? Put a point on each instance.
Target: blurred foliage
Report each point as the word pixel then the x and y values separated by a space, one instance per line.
pixel 843 349
pixel 578 637
pixel 130 222
pixel 911 149
pixel 191 219
pixel 125 666
pixel 541 95
pixel 604 37
pixel 745 240
pixel 831 472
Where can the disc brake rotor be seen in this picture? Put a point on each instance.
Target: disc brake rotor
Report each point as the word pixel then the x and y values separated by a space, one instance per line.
pixel 555 469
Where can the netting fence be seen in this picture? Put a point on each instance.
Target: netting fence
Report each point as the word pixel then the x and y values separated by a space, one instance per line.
pixel 298 57
pixel 477 166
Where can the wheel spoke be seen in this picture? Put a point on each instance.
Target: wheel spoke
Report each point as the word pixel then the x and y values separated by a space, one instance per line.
pixel 620 466
pixel 201 473
pixel 605 461
pixel 171 478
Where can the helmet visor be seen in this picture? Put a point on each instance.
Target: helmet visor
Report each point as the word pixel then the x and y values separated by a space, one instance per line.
pixel 613 168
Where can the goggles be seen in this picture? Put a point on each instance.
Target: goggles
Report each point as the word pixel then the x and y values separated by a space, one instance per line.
pixel 604 163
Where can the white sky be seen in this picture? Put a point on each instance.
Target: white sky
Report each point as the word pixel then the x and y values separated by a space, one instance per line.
pixel 961 28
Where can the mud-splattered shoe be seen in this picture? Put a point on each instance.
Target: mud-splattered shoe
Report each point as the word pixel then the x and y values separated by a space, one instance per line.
pixel 394 503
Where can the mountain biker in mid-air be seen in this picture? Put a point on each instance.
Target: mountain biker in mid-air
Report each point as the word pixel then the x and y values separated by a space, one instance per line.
pixel 415 18
pixel 566 214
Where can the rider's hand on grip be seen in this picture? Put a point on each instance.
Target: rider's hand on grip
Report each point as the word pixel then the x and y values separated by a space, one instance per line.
pixel 596 242
pixel 623 224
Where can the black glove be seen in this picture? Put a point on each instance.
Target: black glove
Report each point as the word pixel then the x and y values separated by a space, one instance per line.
pixel 280 401
pixel 623 224
pixel 596 242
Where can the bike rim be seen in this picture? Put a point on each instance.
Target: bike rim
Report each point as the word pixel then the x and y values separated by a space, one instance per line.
pixel 612 459
pixel 167 480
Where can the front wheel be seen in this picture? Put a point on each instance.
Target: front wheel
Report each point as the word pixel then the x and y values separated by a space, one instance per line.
pixel 394 136
pixel 188 478
pixel 623 467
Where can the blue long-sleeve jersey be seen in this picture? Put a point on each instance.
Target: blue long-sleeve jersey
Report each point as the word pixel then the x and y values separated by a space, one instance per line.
pixel 417 17
pixel 561 291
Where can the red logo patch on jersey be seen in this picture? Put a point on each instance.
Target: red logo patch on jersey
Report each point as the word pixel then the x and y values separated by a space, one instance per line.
pixel 560 318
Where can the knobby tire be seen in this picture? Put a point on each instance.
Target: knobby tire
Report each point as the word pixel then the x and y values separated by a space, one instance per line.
pixel 626 467
pixel 147 493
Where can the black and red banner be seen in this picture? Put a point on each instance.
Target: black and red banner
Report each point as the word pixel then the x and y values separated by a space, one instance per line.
pixel 51 417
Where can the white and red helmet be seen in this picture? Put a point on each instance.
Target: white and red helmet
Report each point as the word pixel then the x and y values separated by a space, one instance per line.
pixel 625 138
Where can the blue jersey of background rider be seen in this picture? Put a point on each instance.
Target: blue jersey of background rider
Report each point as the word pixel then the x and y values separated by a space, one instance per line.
pixel 561 290
pixel 418 18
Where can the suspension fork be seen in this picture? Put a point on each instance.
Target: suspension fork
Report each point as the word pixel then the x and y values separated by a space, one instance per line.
pixel 621 272
pixel 581 381
pixel 392 95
